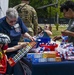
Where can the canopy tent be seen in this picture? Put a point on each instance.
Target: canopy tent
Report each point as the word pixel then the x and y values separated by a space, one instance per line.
pixel 3 7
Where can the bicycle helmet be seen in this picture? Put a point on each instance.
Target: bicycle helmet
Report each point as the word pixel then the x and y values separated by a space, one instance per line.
pixel 4 39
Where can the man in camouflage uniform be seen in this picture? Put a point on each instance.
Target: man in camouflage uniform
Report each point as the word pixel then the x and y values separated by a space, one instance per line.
pixel 29 16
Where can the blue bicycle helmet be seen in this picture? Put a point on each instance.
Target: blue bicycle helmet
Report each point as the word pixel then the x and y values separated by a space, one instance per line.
pixel 4 39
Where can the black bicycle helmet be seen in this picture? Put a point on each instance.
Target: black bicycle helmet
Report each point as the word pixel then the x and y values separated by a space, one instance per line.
pixel 4 39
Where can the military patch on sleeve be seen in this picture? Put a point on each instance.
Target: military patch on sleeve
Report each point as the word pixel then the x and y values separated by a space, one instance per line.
pixel 35 17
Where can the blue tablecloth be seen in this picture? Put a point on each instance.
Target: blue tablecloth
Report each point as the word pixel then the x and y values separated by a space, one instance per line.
pixel 53 68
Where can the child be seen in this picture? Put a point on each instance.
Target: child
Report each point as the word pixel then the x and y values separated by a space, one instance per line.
pixel 4 40
pixel 44 32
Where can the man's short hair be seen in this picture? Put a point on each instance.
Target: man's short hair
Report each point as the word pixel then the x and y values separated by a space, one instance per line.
pixel 67 5
pixel 12 13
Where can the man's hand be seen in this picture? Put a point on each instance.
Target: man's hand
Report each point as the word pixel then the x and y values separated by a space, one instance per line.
pixel 31 38
pixel 28 36
pixel 56 38
pixel 65 33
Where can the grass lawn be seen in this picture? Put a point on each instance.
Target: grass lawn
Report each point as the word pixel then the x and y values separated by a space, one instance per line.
pixel 55 32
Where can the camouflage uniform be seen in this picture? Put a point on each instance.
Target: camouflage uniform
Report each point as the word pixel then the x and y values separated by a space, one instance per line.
pixel 29 17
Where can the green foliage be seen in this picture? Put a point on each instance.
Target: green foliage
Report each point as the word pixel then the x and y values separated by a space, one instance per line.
pixel 57 33
pixel 12 3
pixel 45 12
pixel 57 26
pixel 38 3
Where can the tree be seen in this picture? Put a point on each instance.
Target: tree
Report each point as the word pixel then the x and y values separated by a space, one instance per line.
pixel 45 12
pixel 12 3
pixel 38 3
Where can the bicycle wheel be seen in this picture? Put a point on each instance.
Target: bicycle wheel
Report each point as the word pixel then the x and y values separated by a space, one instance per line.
pixel 26 68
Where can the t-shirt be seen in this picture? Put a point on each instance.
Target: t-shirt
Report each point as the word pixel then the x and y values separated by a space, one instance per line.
pixel 43 34
pixel 14 32
pixel 71 28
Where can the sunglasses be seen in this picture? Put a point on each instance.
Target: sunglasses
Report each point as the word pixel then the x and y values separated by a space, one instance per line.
pixel 46 26
pixel 11 21
pixel 38 28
